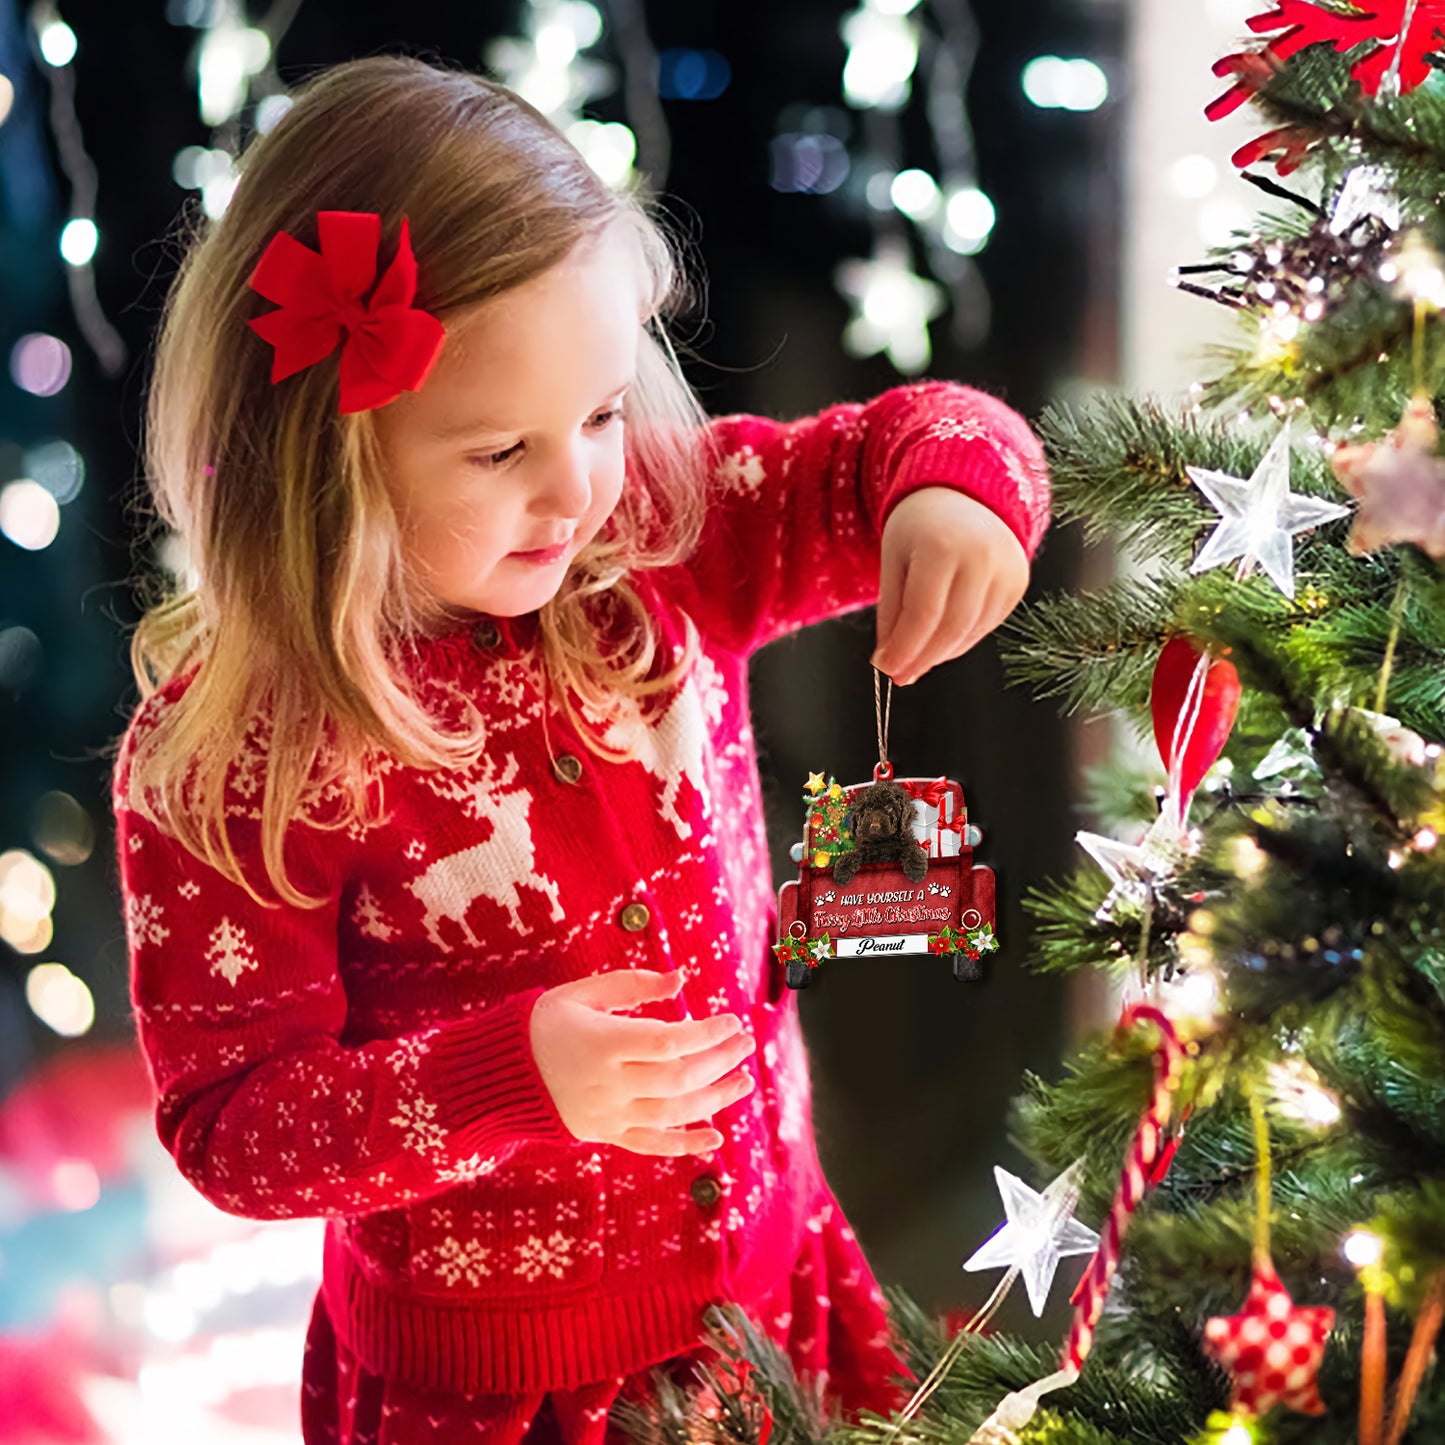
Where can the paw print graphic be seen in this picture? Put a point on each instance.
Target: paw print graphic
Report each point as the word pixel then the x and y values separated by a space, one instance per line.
pixel 934 888
pixel 946 890
pixel 829 896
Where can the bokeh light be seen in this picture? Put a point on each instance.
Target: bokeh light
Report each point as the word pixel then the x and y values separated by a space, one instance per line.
pixel 812 164
pixel 78 241
pixel 20 658
pixel 60 1000
pixel 27 897
pixel 58 467
pixel 62 829
pixel 29 515
pixel 1053 83
pixel 269 110
pixel 7 96
pixel 969 218
pixel 916 194
pixel 608 147
pixel 692 74
pixel 57 43
pixel 40 364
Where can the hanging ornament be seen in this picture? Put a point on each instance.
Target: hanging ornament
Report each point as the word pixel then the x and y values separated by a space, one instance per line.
pixel 1272 1348
pixel 1400 36
pixel 1135 870
pixel 1290 754
pixel 1400 483
pixel 1142 1167
pixel 1193 702
pixel 1367 196
pixel 1039 1231
pixel 886 868
pixel 1260 516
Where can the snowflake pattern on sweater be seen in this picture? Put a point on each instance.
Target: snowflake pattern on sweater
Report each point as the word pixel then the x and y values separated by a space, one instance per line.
pixel 369 1061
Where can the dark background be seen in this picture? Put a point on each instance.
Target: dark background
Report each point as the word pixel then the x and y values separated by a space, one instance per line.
pixel 913 1071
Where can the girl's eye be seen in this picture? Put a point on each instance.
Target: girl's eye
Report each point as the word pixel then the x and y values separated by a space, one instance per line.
pixel 497 458
pixel 600 422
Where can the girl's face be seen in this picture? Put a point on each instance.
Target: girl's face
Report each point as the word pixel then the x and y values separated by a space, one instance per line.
pixel 509 459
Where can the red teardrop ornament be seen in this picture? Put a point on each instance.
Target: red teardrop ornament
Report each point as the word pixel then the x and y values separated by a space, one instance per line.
pixel 1217 709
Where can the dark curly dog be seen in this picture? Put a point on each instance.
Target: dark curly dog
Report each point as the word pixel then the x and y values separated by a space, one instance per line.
pixel 879 821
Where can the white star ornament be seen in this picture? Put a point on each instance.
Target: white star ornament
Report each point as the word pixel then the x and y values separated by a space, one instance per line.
pixel 1039 1232
pixel 1260 517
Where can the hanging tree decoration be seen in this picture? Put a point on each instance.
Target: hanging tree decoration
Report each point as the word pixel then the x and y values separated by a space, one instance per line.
pixel 1400 484
pixel 1144 1167
pixel 1193 701
pixel 1259 517
pixel 1039 1231
pixel 1272 1348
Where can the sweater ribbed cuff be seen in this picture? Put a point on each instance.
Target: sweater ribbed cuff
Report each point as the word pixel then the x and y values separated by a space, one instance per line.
pixel 483 1076
pixel 976 469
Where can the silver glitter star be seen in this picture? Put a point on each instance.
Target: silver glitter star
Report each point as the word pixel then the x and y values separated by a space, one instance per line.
pixel 1039 1231
pixel 1260 516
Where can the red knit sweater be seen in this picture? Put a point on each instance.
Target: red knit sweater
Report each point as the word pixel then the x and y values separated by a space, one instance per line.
pixel 369 1061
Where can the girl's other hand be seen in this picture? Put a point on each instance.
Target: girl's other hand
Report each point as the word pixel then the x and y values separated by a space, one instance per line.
pixel 951 570
pixel 637 1083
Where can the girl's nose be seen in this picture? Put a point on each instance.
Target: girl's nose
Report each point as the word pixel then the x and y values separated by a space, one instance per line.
pixel 565 489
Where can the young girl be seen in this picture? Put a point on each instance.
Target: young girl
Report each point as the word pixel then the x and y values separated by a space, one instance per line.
pixel 438 825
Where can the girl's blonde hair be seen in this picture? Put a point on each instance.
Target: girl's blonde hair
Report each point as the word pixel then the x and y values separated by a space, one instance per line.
pixel 298 591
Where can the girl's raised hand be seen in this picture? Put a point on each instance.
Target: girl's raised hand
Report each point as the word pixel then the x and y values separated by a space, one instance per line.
pixel 637 1083
pixel 951 571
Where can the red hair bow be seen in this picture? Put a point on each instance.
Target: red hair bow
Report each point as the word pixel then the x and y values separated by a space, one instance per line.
pixel 390 345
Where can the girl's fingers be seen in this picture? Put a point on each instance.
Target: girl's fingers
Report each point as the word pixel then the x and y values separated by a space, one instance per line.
pixel 955 623
pixel 923 606
pixel 890 592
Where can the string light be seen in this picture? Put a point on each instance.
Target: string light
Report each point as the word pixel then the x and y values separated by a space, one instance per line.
pixel 56 46
pixel 1053 83
pixel 944 207
pixel 235 65
pixel 57 41
pixel 78 241
pixel 882 56
pixel 1300 1094
pixel 60 1000
pixel 1363 1248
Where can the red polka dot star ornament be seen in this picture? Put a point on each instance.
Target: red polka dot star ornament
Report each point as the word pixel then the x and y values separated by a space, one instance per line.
pixel 1272 1348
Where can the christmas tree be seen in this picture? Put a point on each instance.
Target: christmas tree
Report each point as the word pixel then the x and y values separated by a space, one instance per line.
pixel 1260 1143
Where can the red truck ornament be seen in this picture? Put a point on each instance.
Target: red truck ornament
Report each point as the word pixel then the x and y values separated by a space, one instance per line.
pixel 880 911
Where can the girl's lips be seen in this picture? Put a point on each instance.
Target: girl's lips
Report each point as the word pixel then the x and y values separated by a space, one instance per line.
pixel 546 555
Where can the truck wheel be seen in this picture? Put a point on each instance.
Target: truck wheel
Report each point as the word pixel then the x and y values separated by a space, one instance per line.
pixel 968 969
pixel 799 974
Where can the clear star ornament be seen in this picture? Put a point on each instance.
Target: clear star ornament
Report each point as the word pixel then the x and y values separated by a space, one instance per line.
pixel 1039 1231
pixel 1260 517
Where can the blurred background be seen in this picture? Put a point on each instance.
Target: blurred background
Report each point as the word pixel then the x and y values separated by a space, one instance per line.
pixel 986 191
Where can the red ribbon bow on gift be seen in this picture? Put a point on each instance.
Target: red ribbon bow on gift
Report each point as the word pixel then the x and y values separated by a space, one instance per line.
pixel 390 345
pixel 931 795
